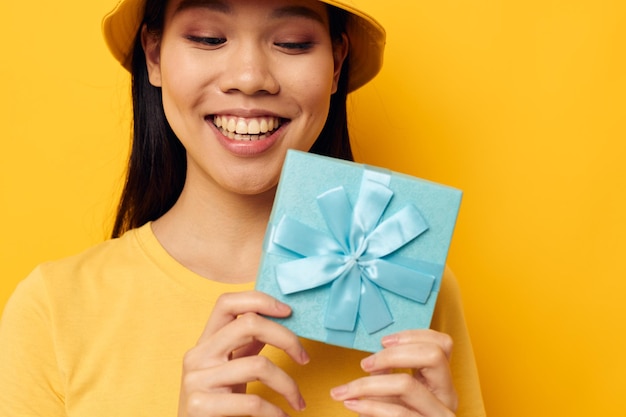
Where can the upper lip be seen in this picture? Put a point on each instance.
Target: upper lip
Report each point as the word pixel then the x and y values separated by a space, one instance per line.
pixel 247 113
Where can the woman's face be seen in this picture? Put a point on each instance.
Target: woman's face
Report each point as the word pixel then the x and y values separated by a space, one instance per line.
pixel 242 82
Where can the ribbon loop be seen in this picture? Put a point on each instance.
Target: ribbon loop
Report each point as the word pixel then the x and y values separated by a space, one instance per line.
pixel 400 280
pixel 303 240
pixel 373 309
pixel 337 211
pixel 343 304
pixel 395 232
pixel 369 208
pixel 310 272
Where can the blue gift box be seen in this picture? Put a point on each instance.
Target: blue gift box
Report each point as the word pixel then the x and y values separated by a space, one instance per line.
pixel 357 251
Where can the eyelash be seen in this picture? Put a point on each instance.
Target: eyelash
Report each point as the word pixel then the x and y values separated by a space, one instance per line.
pixel 207 40
pixel 303 46
pixel 210 41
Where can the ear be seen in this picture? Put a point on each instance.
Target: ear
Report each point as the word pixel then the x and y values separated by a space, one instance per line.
pixel 340 52
pixel 151 43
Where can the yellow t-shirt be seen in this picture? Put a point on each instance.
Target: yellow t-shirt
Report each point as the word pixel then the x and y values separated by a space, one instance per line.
pixel 103 334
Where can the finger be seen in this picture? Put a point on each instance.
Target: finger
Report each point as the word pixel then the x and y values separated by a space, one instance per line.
pixel 410 393
pixel 252 349
pixel 428 358
pixel 373 408
pixel 428 361
pixel 249 369
pixel 247 329
pixel 420 336
pixel 230 305
pixel 201 404
pixel 251 327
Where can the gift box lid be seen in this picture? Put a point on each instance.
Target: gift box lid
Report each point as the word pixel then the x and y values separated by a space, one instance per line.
pixel 357 251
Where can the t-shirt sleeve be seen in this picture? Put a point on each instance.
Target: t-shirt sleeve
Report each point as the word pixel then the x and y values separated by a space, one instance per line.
pixel 449 318
pixel 30 380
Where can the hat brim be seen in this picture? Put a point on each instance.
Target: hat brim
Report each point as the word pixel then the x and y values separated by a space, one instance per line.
pixel 366 36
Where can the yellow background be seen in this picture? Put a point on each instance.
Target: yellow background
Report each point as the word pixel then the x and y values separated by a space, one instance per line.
pixel 520 103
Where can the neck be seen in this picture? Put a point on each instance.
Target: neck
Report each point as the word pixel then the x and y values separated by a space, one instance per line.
pixel 216 234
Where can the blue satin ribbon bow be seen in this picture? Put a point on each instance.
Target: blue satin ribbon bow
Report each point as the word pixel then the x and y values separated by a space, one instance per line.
pixel 352 257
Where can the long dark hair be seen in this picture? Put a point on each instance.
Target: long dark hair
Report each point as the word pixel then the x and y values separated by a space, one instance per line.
pixel 157 165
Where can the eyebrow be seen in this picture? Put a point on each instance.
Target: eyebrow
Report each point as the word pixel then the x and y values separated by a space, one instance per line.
pixel 217 5
pixel 297 11
pixel 224 7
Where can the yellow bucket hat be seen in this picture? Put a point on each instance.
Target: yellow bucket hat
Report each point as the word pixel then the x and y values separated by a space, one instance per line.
pixel 367 38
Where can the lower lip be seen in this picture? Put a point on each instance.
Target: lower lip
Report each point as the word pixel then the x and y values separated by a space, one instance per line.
pixel 246 147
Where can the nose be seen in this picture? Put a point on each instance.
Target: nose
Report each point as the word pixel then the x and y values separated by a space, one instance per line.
pixel 250 70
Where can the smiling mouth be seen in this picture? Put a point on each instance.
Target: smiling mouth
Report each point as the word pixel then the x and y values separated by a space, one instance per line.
pixel 247 129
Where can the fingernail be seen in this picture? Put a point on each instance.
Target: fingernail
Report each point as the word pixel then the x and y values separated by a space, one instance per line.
pixel 368 363
pixel 339 391
pixel 351 404
pixel 302 404
pixel 304 357
pixel 390 340
pixel 282 307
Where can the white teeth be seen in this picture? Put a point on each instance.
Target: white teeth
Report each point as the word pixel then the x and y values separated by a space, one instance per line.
pixel 242 127
pixel 264 126
pixel 254 127
pixel 239 128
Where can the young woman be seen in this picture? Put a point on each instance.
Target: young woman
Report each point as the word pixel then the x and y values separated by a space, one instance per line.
pixel 163 318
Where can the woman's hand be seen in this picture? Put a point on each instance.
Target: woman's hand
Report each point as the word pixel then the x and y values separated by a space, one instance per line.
pixel 427 392
pixel 217 369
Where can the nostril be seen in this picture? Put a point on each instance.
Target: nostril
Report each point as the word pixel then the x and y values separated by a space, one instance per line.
pixel 254 79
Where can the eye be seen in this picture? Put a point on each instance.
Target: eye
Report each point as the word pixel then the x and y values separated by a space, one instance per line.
pixel 295 46
pixel 206 41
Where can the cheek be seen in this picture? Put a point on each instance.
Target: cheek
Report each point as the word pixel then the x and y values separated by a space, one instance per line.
pixel 179 108
pixel 180 90
pixel 315 87
pixel 314 93
pixel 176 84
pixel 180 73
pixel 173 105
